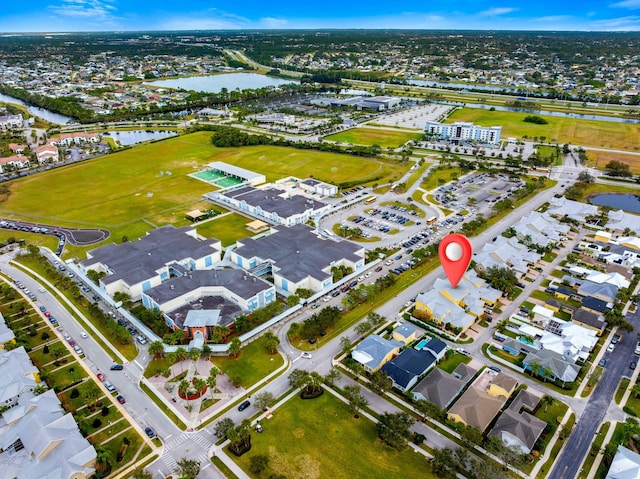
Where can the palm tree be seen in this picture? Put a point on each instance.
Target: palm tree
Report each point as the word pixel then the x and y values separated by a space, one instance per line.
pixel 104 459
pixel 183 387
pixel 272 344
pixel 206 351
pixel 211 384
pixel 199 384
pixel 635 390
pixel 157 349
pixel 181 355
pixel 194 354
pixel 234 347
pixel 312 382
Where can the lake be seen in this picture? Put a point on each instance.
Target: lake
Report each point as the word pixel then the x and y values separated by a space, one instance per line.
pixel 47 115
pixel 126 138
pixel 230 81
pixel 625 202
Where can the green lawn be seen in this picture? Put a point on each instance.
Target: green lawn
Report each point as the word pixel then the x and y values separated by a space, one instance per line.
pixel 415 176
pixel 64 377
pixel 253 364
pixel 120 191
pixel 605 134
pixel 36 239
pixel 320 438
pixel 228 228
pixel 440 173
pixel 622 387
pixel 374 136
pixel 452 361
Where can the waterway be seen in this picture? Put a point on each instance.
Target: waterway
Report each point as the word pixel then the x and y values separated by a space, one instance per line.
pixel 624 202
pixel 463 86
pixel 126 138
pixel 47 115
pixel 230 81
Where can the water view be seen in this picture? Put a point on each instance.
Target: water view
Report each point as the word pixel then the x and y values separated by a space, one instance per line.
pixel 230 81
pixel 126 138
pixel 43 113
pixel 625 202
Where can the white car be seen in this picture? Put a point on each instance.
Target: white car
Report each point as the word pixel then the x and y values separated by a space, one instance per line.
pixel 368 274
pixel 306 355
pixel 326 298
pixel 611 347
pixel 361 278
pixel 83 334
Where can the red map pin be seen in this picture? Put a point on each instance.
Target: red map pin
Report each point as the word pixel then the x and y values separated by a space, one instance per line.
pixel 455 253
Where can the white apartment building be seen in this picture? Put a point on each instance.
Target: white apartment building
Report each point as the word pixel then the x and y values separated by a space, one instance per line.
pixel 464 131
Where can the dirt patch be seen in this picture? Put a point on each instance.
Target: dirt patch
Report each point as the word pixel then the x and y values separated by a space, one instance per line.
pixel 302 465
pixel 298 433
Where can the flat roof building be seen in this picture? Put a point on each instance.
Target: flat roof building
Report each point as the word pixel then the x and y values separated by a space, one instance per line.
pixel 461 131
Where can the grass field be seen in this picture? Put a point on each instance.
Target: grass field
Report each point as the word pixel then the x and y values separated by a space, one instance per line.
pixel 122 190
pixel 320 438
pixel 597 188
pixel 603 134
pixel 600 158
pixel 49 241
pixel 374 136
pixel 253 364
pixel 227 228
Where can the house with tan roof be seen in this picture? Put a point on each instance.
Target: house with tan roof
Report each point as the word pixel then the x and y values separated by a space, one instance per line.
pixel 47 152
pixel 475 408
pixel 502 385
pixel 18 162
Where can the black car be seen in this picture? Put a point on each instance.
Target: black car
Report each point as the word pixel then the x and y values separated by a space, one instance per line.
pixel 117 367
pixel 244 405
pixel 633 364
pixel 149 431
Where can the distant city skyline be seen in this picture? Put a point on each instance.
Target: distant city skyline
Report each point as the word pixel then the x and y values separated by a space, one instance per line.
pixel 109 15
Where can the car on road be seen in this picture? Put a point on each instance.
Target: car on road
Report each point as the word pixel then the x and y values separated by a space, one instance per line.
pixel 315 306
pixel 117 367
pixel 72 342
pixel 77 349
pixel 633 364
pixel 149 432
pixel 101 377
pixel 244 405
pixel 611 347
pixel 378 269
pixel 43 309
pixel 368 274
pixel 83 335
pixel 602 362
pixel 361 278
pixel 306 355
pixel 121 399
pixel 109 386
pixel 495 368
pixel 47 314
pixel 353 284
pixel 66 336
pixel 335 293
pixel 326 298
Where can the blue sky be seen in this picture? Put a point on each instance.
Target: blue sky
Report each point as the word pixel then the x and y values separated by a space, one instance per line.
pixel 101 15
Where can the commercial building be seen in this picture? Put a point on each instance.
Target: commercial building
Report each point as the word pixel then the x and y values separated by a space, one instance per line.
pixel 460 132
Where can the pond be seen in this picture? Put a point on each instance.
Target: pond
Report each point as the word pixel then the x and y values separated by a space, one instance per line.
pixel 126 138
pixel 230 81
pixel 47 115
pixel 625 202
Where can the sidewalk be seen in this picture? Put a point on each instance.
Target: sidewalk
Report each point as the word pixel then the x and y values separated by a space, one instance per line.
pixel 549 448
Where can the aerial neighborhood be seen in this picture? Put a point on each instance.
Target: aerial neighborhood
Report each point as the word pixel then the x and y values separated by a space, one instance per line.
pixel 223 255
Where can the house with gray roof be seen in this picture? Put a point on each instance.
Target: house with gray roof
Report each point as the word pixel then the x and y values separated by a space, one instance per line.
pixel 562 207
pixel 603 291
pixel 516 426
pixel 560 368
pixel 38 440
pixel 297 257
pixel 6 334
pixel 248 176
pixel 625 464
pixel 136 266
pixel 270 204
pixel 18 376
pixel 374 351
pixel 406 368
pixel 439 387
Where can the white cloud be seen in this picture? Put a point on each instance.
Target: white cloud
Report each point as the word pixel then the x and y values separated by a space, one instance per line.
pixel 553 18
pixel 95 9
pixel 271 22
pixel 630 22
pixel 492 12
pixel 631 4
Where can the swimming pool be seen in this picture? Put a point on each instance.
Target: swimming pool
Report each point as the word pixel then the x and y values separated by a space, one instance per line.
pixel 421 345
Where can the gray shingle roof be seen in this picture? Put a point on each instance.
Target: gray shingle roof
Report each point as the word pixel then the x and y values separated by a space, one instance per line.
pixel 270 200
pixel 439 387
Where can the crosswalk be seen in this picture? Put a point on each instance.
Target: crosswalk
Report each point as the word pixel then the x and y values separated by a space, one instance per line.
pixel 180 445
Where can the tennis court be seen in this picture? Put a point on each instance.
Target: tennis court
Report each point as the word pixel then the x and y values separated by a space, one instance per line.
pixel 227 181
pixel 209 176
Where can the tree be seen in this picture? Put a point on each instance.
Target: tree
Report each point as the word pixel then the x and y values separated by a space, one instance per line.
pixel 444 463
pixel 362 328
pixel 104 459
pixel 509 455
pixel 272 342
pixel 394 429
pixel 199 384
pixel 156 348
pixel 332 376
pixel 585 177
pixel 264 399
pixel 431 410
pixel 357 401
pixel 183 387
pixel 345 345
pixel 257 464
pixel 234 348
pixel 222 427
pixel 471 435
pixel 194 354
pixel 380 382
pixel 292 300
pixel 212 381
pixel 181 354
pixel 312 382
pixel 188 468
pixel 141 474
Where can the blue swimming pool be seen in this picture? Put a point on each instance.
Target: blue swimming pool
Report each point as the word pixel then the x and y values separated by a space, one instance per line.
pixel 421 344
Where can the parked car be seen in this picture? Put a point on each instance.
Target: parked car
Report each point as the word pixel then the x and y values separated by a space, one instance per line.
pixel 611 347
pixel 149 432
pixel 109 386
pixel 121 399
pixel 101 377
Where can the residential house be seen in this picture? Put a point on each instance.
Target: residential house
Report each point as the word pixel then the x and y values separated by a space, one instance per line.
pixel 9 122
pixel 553 363
pixel 590 320
pixel 441 388
pixel 406 368
pixel 563 207
pixel 16 148
pixel 6 334
pixel 17 376
pixel 437 348
pixel 14 162
pixel 37 439
pixel 506 252
pixel 502 385
pixel 603 291
pixel 625 464
pixel 516 426
pixel 297 257
pixel 475 408
pixel 595 305
pixel 405 332
pixel 136 266
pixel 374 351
pixel 68 139
pixel 47 152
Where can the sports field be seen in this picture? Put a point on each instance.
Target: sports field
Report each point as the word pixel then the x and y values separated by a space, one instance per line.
pixel 602 134
pixel 126 192
pixel 374 136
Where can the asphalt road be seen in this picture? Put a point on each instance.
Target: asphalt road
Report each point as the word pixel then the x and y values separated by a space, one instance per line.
pixel 578 444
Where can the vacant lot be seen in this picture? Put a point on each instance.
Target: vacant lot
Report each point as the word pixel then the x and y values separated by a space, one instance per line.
pixel 320 438
pixel 600 159
pixel 604 134
pixel 129 191
pixel 373 136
